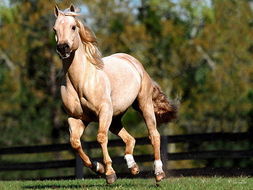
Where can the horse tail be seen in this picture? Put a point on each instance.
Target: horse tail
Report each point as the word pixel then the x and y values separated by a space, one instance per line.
pixel 165 110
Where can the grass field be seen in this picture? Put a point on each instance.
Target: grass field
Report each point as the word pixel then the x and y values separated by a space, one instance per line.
pixel 214 183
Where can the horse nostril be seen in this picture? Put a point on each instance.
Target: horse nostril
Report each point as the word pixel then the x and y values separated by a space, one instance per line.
pixel 62 47
pixel 59 47
pixel 66 47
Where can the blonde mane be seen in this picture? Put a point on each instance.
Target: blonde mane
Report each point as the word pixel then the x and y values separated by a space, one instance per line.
pixel 89 42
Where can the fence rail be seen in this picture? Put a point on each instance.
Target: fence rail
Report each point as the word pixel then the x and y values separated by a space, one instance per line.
pixel 166 156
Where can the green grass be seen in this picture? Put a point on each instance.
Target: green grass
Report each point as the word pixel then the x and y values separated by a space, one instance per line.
pixel 214 183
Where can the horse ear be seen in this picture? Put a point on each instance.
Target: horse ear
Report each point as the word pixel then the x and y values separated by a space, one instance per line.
pixel 56 11
pixel 72 8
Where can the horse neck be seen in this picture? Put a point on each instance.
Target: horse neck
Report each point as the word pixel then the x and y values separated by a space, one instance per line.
pixel 78 69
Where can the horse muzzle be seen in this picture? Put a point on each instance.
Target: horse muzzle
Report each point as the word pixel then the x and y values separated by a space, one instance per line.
pixel 63 50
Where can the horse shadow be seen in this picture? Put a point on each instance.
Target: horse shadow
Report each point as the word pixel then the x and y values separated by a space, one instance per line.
pixel 85 186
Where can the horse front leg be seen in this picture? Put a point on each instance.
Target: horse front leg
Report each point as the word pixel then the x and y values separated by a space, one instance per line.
pixel 105 118
pixel 76 129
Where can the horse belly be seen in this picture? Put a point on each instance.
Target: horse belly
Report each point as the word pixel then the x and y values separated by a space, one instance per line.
pixel 123 99
pixel 125 83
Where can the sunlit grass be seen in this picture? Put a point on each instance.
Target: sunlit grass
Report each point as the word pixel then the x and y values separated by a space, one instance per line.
pixel 189 183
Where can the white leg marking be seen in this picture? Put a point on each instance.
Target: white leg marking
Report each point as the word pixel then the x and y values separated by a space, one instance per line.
pixel 158 167
pixel 130 160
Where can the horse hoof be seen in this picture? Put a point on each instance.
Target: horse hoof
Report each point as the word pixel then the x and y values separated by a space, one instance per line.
pixel 159 177
pixel 98 168
pixel 134 169
pixel 110 179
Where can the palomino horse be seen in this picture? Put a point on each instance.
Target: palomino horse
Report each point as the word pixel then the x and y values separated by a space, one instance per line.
pixel 101 90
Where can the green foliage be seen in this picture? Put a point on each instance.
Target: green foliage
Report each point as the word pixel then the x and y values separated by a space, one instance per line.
pixel 31 81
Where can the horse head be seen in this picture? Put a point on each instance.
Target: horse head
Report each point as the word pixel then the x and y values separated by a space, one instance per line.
pixel 66 31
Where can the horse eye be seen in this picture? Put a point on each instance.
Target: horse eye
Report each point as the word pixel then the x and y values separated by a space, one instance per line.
pixel 73 27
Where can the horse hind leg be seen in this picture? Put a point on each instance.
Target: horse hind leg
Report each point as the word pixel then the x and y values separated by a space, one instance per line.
pixel 118 129
pixel 145 107
pixel 76 129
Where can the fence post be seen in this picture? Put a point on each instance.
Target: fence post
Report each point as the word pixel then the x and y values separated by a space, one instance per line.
pixel 164 152
pixel 78 167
